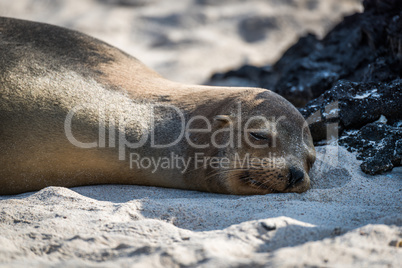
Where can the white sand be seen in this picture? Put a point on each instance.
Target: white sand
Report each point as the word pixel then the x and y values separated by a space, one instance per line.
pixel 348 218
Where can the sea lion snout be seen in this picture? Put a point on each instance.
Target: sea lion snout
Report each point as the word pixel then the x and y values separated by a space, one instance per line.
pixel 298 180
pixel 296 176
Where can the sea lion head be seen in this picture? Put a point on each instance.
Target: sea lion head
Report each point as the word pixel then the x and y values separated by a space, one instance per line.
pixel 272 149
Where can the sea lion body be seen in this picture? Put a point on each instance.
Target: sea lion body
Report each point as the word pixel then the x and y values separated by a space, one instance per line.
pixel 76 111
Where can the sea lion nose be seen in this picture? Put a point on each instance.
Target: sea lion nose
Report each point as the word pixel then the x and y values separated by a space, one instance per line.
pixel 295 176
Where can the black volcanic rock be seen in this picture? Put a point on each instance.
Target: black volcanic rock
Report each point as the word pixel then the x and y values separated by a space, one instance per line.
pixel 382 5
pixel 353 105
pixel 349 111
pixel 377 144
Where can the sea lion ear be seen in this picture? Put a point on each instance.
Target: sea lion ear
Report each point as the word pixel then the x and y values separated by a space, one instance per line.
pixel 222 119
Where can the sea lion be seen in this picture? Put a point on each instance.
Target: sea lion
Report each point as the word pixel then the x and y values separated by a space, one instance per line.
pixel 77 111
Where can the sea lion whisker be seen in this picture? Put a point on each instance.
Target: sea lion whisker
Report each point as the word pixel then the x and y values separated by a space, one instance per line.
pixel 219 172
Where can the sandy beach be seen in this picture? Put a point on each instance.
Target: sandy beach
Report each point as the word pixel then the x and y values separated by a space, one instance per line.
pixel 347 219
